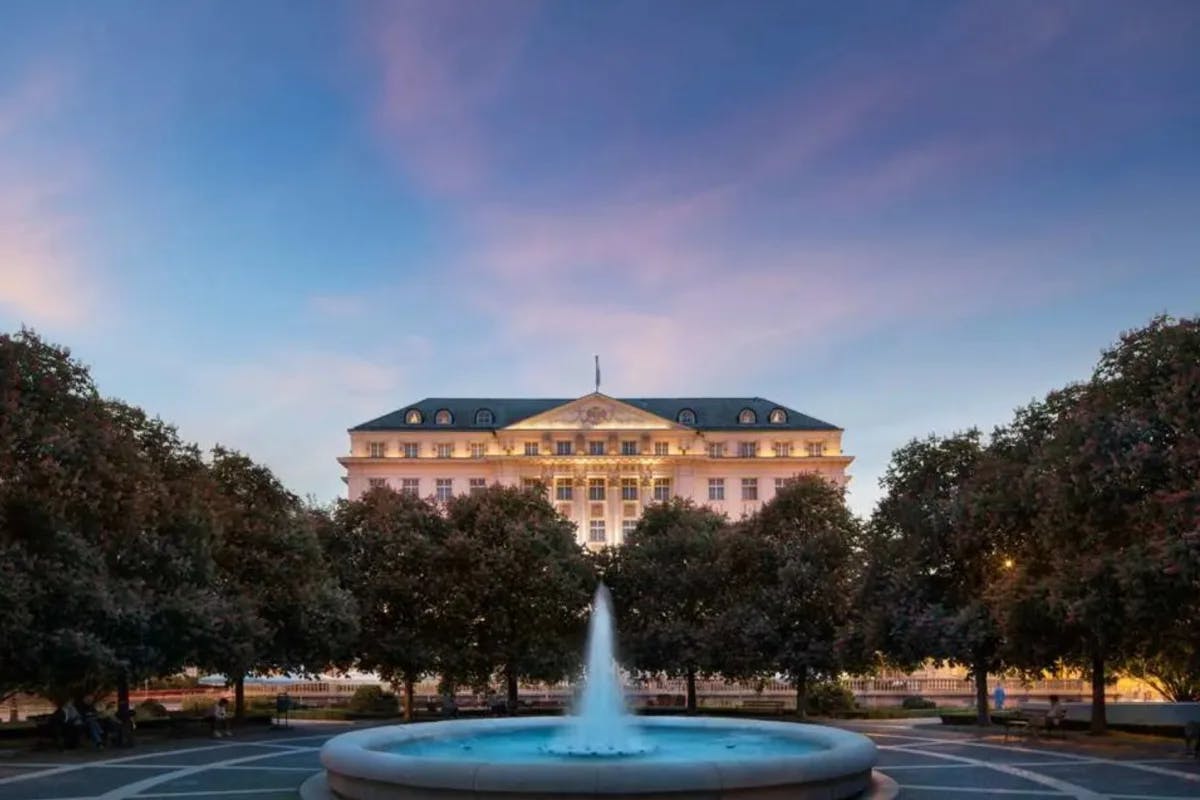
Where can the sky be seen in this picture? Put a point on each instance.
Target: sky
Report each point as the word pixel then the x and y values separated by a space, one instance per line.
pixel 267 222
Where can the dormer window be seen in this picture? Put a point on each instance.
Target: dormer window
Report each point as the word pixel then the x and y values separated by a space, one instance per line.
pixel 687 417
pixel 413 417
pixel 778 416
pixel 484 416
pixel 747 417
pixel 442 417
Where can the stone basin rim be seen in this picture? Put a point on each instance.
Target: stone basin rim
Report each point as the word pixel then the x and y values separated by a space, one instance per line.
pixel 354 755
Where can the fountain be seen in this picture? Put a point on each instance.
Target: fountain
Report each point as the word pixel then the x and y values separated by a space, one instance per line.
pixel 601 750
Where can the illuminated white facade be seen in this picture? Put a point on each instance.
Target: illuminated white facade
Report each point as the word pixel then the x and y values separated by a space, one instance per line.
pixel 601 459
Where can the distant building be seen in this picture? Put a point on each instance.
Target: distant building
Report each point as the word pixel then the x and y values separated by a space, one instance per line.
pixel 600 458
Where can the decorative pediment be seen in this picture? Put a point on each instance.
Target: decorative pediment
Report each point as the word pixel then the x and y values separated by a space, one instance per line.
pixel 595 412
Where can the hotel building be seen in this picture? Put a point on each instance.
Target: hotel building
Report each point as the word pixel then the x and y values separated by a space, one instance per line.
pixel 602 459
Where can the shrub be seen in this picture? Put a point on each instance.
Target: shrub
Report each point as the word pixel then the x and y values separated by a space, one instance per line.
pixel 828 697
pixel 917 702
pixel 149 709
pixel 198 705
pixel 373 700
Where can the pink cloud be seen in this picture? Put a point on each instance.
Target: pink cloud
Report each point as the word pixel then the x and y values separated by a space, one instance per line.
pixel 42 277
pixel 441 66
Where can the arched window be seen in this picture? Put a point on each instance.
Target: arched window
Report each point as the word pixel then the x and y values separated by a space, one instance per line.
pixel 747 417
pixel 687 417
pixel 778 416
pixel 442 417
pixel 413 417
pixel 484 416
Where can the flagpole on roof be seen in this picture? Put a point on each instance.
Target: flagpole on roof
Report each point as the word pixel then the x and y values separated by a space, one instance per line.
pixel 597 374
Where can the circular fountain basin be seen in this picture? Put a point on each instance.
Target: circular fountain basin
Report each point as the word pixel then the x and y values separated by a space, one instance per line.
pixel 682 757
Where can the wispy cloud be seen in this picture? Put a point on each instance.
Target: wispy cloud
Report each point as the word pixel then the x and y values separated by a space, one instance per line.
pixel 42 277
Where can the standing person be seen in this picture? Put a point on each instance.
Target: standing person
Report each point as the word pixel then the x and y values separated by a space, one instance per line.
pixel 218 718
pixel 998 697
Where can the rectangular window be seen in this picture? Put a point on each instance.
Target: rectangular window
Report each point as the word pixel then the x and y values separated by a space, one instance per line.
pixel 377 449
pixel 445 450
pixel 410 486
pixel 628 526
pixel 662 448
pixel 595 448
pixel 816 449
pixel 595 488
pixel 477 485
pixel 412 449
pixel 478 449
pixel 563 490
pixel 716 488
pixel 783 449
pixel 780 483
pixel 563 448
pixel 530 484
pixel 531 448
pixel 629 489
pixel 662 489
pixel 444 488
pixel 596 530
pixel 376 483
pixel 716 449
pixel 749 488
pixel 629 447
pixel 747 449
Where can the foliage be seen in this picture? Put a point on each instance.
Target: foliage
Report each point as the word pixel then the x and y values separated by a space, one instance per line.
pixel 786 575
pixel 372 700
pixel 517 588
pixel 917 702
pixel 385 548
pixel 287 611
pixel 826 698
pixel 666 591
pixel 151 709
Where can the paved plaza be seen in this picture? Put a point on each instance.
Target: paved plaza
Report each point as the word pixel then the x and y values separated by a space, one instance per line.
pixel 928 761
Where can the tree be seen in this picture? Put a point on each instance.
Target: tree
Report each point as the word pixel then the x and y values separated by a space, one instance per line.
pixel 104 535
pixel 521 588
pixel 665 591
pixel 934 603
pixel 1112 466
pixel 386 548
pixel 286 611
pixel 793 580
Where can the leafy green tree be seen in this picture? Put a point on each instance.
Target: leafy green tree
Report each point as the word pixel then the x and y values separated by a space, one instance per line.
pixel 519 591
pixel 934 603
pixel 287 612
pixel 792 580
pixel 386 548
pixel 665 591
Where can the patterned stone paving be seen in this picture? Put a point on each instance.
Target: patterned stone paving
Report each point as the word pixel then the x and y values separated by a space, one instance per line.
pixel 929 763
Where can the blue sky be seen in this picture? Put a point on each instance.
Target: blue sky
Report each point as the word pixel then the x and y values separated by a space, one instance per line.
pixel 267 222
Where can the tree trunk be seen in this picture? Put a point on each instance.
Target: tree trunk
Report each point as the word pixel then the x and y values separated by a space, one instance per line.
pixel 691 690
pixel 408 698
pixel 510 674
pixel 239 697
pixel 124 710
pixel 981 695
pixel 1099 712
pixel 802 693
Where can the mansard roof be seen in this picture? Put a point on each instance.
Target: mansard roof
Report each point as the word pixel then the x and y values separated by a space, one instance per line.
pixel 712 413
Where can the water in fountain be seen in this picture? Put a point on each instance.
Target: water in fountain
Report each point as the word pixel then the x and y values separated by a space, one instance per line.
pixel 601 725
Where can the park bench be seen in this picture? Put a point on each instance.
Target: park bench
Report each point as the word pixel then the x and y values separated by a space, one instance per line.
pixel 763 706
pixel 1031 722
